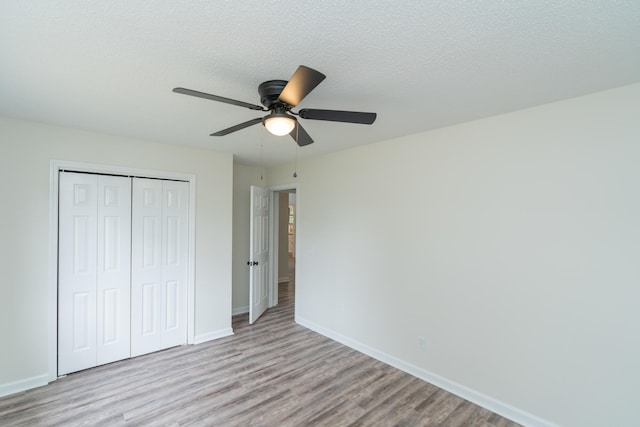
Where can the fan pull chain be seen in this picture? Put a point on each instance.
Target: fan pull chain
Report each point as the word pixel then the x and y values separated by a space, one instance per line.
pixel 261 156
pixel 295 165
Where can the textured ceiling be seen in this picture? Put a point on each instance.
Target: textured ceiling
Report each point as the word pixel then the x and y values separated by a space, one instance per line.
pixel 109 66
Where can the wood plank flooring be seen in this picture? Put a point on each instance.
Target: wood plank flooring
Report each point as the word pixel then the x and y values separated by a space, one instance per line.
pixel 272 373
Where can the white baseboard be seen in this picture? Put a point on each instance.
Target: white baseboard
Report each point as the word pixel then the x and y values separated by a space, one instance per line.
pixel 22 385
pixel 517 415
pixel 240 310
pixel 283 279
pixel 210 336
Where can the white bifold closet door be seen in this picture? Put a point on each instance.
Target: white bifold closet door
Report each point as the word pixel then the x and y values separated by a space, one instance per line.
pixel 122 268
pixel 159 265
pixel 94 270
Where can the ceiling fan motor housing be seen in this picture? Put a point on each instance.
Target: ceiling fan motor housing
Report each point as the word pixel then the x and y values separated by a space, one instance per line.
pixel 270 91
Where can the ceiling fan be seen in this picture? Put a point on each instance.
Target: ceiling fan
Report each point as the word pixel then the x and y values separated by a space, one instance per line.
pixel 279 97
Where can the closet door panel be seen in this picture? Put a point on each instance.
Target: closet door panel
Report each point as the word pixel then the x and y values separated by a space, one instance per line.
pixel 159 265
pixel 77 251
pixel 113 269
pixel 146 266
pixel 123 248
pixel 174 263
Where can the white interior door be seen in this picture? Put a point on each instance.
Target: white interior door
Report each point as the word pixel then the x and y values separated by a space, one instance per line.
pixel 93 270
pixel 113 269
pixel 259 253
pixel 159 265
pixel 146 265
pixel 173 313
pixel 77 246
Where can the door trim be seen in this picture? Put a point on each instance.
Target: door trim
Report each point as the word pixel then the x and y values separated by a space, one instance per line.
pixel 55 166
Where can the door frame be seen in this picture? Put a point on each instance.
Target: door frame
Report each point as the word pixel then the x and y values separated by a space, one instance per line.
pixel 273 238
pixel 55 167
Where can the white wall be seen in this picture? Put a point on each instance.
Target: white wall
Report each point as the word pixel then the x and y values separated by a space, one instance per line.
pixel 27 149
pixel 512 244
pixel 243 178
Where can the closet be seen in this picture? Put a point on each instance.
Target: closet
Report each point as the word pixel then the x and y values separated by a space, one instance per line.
pixel 122 268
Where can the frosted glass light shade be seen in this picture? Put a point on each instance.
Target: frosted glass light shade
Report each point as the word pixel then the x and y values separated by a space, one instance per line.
pixel 279 124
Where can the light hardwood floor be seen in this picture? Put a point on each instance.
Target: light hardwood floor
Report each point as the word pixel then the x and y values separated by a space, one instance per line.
pixel 273 373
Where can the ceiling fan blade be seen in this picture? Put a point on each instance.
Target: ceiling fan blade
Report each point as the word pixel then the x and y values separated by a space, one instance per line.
pixel 303 81
pixel 235 128
pixel 338 116
pixel 217 98
pixel 301 136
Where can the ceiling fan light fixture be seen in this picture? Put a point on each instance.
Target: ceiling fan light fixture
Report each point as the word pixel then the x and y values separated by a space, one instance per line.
pixel 279 124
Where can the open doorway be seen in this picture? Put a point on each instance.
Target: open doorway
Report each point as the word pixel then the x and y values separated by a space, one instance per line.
pixel 272 248
pixel 286 246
